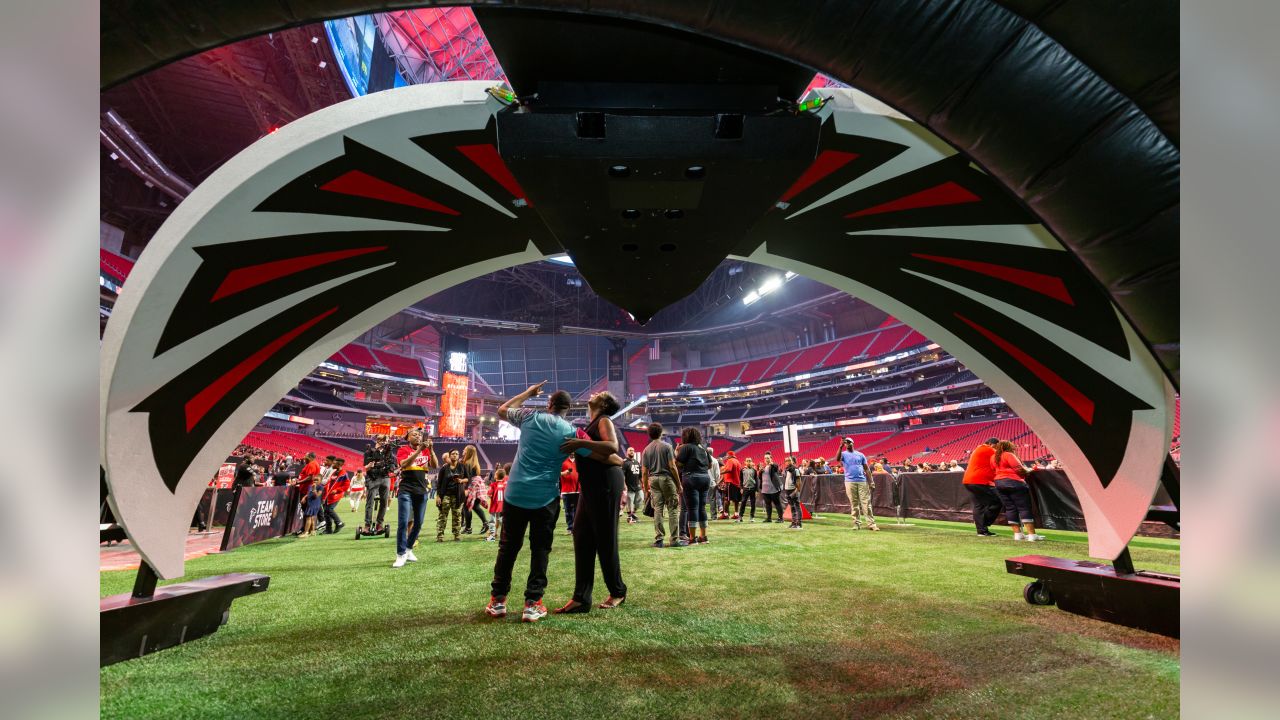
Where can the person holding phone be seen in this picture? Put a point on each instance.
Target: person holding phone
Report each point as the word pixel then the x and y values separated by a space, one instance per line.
pixel 411 496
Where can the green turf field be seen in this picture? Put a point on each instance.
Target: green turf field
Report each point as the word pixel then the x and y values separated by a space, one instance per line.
pixel 919 621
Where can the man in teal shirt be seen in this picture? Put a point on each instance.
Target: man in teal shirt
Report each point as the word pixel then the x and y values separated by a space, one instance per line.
pixel 532 500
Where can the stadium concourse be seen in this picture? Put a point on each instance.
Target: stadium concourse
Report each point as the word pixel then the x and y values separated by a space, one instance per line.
pixel 803 501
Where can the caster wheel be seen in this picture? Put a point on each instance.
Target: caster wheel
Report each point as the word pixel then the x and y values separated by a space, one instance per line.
pixel 1037 593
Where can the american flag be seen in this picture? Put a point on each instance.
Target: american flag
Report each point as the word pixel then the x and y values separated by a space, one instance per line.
pixel 654 351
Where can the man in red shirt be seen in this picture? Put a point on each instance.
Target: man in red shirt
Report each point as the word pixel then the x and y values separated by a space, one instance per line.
pixel 731 476
pixel 569 490
pixel 979 480
pixel 338 485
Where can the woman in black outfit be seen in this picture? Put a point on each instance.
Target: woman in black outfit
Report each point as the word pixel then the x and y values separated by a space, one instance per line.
pixel 695 475
pixel 595 528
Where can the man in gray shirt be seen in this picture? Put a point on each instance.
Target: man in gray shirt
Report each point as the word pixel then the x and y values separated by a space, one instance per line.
pixel 661 482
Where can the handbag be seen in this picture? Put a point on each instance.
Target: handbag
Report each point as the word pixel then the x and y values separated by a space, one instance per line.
pixel 648 506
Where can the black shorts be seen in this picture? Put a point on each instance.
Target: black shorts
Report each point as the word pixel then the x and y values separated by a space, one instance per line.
pixel 735 492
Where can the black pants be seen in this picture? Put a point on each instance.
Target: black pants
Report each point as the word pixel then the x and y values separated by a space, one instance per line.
pixel 986 505
pixel 771 501
pixel 595 535
pixel 793 502
pixel 570 509
pixel 478 512
pixel 748 496
pixel 331 521
pixel 1016 499
pixel 541 524
pixel 381 490
pixel 696 487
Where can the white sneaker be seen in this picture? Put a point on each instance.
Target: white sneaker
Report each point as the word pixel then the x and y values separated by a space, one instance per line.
pixel 1018 536
pixel 1033 538
pixel 408 555
pixel 399 563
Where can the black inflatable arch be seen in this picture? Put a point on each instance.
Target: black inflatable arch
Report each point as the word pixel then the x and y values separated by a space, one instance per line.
pixel 1071 105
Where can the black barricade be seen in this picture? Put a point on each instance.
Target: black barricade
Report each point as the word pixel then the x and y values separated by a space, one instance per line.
pixel 221 511
pixel 258 513
pixel 941 496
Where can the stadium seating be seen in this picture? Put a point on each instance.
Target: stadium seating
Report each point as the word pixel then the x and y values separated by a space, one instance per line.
pixel 665 381
pixel 399 364
pixel 360 356
pixel 113 265
pixel 279 441
pixel 725 375
pixel 887 341
pixel 880 341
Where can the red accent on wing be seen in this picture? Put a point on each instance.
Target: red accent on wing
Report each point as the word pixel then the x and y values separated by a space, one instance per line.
pixel 361 184
pixel 204 400
pixel 244 278
pixel 1065 390
pixel 948 193
pixel 486 157
pixel 827 162
pixel 1039 282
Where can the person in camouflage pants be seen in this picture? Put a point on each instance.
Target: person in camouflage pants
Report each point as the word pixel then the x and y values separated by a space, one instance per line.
pixel 450 485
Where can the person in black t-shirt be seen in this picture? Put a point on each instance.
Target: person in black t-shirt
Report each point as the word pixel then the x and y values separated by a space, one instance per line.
pixel 244 472
pixel 450 483
pixel 633 496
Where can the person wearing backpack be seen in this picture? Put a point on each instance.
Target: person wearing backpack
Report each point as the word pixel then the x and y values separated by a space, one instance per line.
pixel 695 475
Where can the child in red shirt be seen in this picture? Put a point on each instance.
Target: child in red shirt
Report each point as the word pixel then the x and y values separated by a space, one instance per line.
pixel 497 491
pixel 334 490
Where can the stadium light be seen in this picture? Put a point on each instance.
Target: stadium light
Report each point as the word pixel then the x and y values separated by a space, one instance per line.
pixel 750 297
pixel 770 285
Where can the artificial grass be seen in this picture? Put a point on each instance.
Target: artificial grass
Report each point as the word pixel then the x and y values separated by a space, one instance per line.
pixel 917 621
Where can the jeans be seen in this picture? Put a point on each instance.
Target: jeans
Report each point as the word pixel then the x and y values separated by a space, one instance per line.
pixel 713 498
pixel 986 505
pixel 662 494
pixel 696 487
pixel 570 509
pixel 380 491
pixel 1016 497
pixel 412 510
pixel 541 524
pixel 331 521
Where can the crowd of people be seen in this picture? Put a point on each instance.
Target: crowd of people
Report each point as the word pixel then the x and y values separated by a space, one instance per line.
pixel 585 472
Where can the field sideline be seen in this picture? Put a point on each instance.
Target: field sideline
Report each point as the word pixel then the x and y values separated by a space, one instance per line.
pixel 917 621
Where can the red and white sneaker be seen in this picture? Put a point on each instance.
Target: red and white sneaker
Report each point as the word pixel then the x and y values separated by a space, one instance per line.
pixel 533 612
pixel 497 607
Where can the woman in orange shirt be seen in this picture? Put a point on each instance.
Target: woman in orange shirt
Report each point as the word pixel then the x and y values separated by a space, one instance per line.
pixel 1014 494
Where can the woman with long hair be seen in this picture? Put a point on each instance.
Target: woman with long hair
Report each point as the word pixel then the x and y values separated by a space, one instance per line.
pixel 1011 487
pixel 477 491
pixel 695 474
pixel 595 529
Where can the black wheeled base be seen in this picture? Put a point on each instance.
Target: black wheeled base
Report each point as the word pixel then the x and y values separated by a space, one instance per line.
pixel 133 626
pixel 1144 600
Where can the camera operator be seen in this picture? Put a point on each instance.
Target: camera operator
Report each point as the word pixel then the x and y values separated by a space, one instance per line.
pixel 379 461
